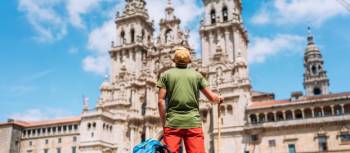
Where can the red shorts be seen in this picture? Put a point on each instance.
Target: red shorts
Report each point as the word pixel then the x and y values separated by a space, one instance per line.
pixel 193 139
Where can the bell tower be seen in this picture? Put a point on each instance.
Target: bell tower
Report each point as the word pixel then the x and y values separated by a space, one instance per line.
pixel 316 81
pixel 134 35
pixel 222 29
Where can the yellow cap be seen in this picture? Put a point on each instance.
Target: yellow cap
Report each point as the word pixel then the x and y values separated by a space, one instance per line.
pixel 182 56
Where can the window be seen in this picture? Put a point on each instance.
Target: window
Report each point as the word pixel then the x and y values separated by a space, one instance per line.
pixel 46 150
pixel 59 140
pixel 314 70
pixel 74 139
pixel 317 91
pixel 322 143
pixel 70 127
pixel 65 128
pixel 254 137
pixel 344 137
pixel 224 14
pixel 58 150
pixel 92 134
pixel 46 141
pixel 44 130
pixel 29 151
pixel 53 129
pixel 272 143
pixel 59 129
pixel 89 125
pixel 74 149
pixel 212 16
pixel 30 143
pixel 94 125
pixel 291 148
pixel 75 127
pixel 132 35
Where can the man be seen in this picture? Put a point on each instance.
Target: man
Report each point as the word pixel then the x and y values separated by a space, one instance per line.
pixel 180 118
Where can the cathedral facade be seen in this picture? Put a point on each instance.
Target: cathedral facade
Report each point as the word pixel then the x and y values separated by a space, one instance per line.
pixel 251 121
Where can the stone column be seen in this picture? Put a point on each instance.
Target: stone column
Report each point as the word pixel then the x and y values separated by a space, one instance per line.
pixel 342 109
pixel 302 113
pixel 284 115
pixel 332 108
pixel 275 115
pixel 293 114
pixel 312 112
pixel 322 111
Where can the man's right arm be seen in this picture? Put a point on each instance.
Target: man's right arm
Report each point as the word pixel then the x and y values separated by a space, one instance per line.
pixel 214 98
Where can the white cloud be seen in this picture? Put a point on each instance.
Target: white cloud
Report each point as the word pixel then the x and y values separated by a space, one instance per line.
pixel 261 18
pixel 76 8
pixel 73 50
pixel 48 24
pixel 39 114
pixel 262 47
pixel 299 11
pixel 96 64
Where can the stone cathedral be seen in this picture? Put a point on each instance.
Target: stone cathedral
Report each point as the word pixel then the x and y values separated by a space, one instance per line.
pixel 126 113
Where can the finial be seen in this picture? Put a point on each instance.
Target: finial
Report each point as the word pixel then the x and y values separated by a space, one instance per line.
pixel 310 38
pixel 85 103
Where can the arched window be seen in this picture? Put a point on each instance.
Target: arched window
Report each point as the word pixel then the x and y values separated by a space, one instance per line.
pixel 298 114
pixel 261 117
pixel 279 116
pixel 229 109
pixel 317 91
pixel 318 112
pixel 89 125
pixel 253 119
pixel 338 110
pixel 270 117
pixel 307 113
pixel 327 111
pixel 168 36
pixel 289 115
pixel 122 37
pixel 314 69
pixel 142 34
pixel 213 16
pixel 224 14
pixel 132 35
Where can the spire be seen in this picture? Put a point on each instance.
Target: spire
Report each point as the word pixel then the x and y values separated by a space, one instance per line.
pixel 169 11
pixel 310 37
pixel 85 104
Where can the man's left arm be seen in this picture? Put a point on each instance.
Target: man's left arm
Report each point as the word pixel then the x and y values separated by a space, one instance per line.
pixel 161 105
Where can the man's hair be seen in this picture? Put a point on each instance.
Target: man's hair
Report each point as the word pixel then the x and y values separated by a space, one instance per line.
pixel 182 56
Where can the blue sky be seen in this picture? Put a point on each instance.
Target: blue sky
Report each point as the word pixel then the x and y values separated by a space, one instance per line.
pixel 55 51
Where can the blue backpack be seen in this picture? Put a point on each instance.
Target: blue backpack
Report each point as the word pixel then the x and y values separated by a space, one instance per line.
pixel 150 146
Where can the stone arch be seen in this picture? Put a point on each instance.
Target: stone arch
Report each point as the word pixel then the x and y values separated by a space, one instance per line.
pixel 307 113
pixel 327 111
pixel 213 16
pixel 270 117
pixel 317 112
pixel 347 109
pixel 229 109
pixel 167 35
pixel 253 118
pixel 289 115
pixel 132 35
pixel 222 110
pixel 279 116
pixel 224 13
pixel 122 37
pixel 262 117
pixel 337 110
pixel 298 114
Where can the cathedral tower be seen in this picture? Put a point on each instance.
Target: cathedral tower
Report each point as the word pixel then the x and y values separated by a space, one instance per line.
pixel 316 81
pixel 134 36
pixel 222 29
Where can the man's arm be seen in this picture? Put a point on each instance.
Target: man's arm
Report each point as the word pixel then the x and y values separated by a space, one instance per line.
pixel 161 105
pixel 214 98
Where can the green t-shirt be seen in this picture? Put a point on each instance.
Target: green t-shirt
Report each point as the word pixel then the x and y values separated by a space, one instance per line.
pixel 182 85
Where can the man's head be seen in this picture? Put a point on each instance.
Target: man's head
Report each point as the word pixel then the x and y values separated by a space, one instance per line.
pixel 182 56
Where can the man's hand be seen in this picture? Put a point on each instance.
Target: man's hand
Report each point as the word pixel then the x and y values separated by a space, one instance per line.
pixel 212 96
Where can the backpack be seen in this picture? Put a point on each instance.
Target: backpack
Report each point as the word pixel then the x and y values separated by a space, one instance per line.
pixel 150 146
